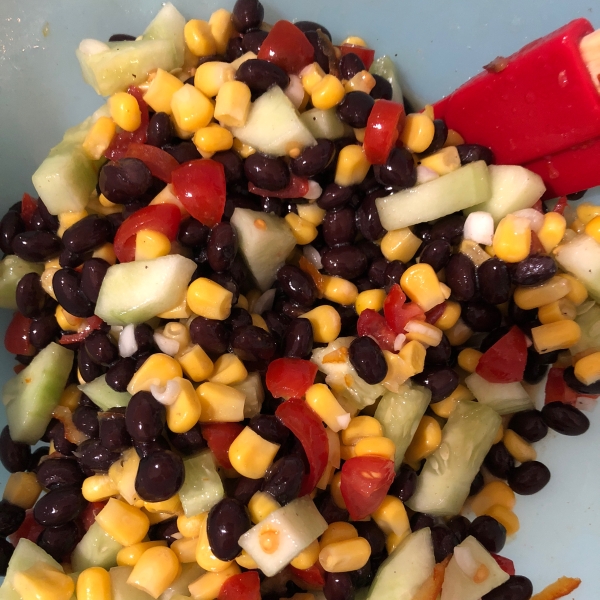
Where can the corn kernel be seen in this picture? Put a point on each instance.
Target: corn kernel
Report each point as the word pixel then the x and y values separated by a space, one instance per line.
pixel 361 427
pixel 126 524
pixel 106 252
pixel 129 556
pixel 246 561
pixel 208 585
pixel 552 231
pixel 97 488
pixel 555 336
pixel 233 104
pixel 221 28
pixel 228 369
pixel 70 397
pixel 326 323
pixel 450 316
pixel 444 161
pixel 363 81
pixel 587 369
pixel 578 226
pixel 325 404
pixel 172 505
pixel 468 359
pixel 150 579
pixel 559 310
pixel 494 492
pixel 400 244
pixel 429 111
pixel 304 231
pixel 459 333
pixel 372 299
pixel 340 290
pixel 258 321
pixel 418 132
pixel 184 413
pixel 444 407
pixel 94 584
pixel 189 527
pixel 512 239
pixel 521 450
pixel 426 440
pixel 307 558
pixel 242 59
pixel 354 40
pixel 505 517
pixel 586 211
pixel 347 452
pixel 251 455
pixel 212 138
pixel 243 151
pixel 345 556
pixel 376 446
pixel 191 109
pixel 185 550
pixel 311 76
pixel 220 403
pixel 199 38
pixel 195 363
pixel 312 213
pixel 261 505
pixel 22 489
pixel 338 531
pixel 352 165
pixel 209 300
pixel 454 138
pixel 391 516
pixel 335 490
pixel 99 137
pixel 327 93
pixel 65 320
pixel 160 91
pixel 421 284
pixel 46 277
pixel 43 582
pixel 578 293
pixel 151 244
pixel 125 111
pixel 398 370
pixel 413 355
pixel 123 473
pixel 423 332
pixel 204 556
pixel 392 541
pixel 66 219
pixel 474 251
pixel 593 229
pixel 158 369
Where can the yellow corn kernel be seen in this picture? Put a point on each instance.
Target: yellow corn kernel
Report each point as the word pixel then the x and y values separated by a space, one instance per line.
pixel 70 397
pixel 352 165
pixel 65 320
pixel 338 531
pixel 459 333
pixel 398 370
pixel 212 138
pixel 125 111
pixel 559 310
pixel 418 132
pixel 468 359
pixel 372 299
pixel 429 111
pixel 413 355
pixel 220 403
pixel 221 28
pixel 126 524
pixel 376 446
pixel 22 489
pixel 184 413
pixel 46 277
pixel 185 550
pixel 335 490
pixel 586 211
pixel 155 571
pixel 421 284
pixel 578 226
pixel 449 317
pixel 347 452
pixel 454 138
pixel 106 252
pixel 307 558
pixel 242 59
pixel 228 370
pixel 99 137
pixel 512 239
pixel 94 584
pixel 43 582
pixel 444 407
pixel 444 161
pixel 340 290
pixel 208 585
pixel 400 244
pixel 97 488
pixel 552 231
pixel 304 231
pixel 361 427
pixel 494 492
pixel 392 541
pixel 325 404
pixel 151 244
pixel 157 369
pixel 242 302
pixel 326 323
pixel 250 454
pixel 261 505
pixel 159 517
pixel 245 560
pixel 587 369
pixel 123 473
pixel 363 81
pixel 191 108
pixel 172 505
pixel 211 75
pixel 593 229
pixel 160 91
pixel 345 556
pixel 555 336
pixel 578 292
pixel 208 299
pixel 199 38
pixel 327 93
pixel 391 516
pixel 204 556
pixel 426 440
pixel 311 76
pixel 189 527
pixel 66 219
pixel 312 213
pixel 423 332
pixel 474 251
pixel 535 296
pixel 195 363
pixel 258 321
pixel 521 450
pixel 505 517
pixel 129 556
pixel 233 104
pixel 178 332
pixel 243 150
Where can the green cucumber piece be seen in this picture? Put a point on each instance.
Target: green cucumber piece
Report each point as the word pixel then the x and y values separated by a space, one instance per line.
pixel 121 590
pixel 101 394
pixel 406 569
pixel 202 487
pixel 400 414
pixel 444 482
pixel 255 394
pixel 465 187
pixel 513 188
pixel 384 67
pixel 189 574
pixel 136 291
pixel 31 396
pixel 274 125
pixel 581 258
pixel 12 268
pixel 589 322
pixel 264 248
pixel 168 24
pixel 504 398
pixel 323 124
pixel 95 549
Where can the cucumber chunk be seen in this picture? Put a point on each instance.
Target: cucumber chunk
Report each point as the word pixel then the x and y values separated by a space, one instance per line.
pixel 590 331
pixel 202 487
pixel 504 398
pixel 400 414
pixel 96 549
pixel 406 569
pixel 323 123
pixel 581 258
pixel 263 248
pixel 252 388
pixel 137 291
pixel 12 268
pixel 121 590
pixel 274 125
pixel 101 394
pixel 168 24
pixel 384 67
pixel 31 396
pixel 189 574
pixel 444 482
pixel 465 187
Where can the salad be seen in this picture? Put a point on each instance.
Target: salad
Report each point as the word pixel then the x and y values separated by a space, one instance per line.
pixel 281 335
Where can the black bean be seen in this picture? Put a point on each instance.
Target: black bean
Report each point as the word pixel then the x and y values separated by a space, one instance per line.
pixel 227 521
pixel 565 419
pixel 494 281
pixel 477 484
pixel 440 381
pixel 338 586
pixel 11 518
pixel 534 270
pixel 324 51
pixel 253 344
pixel 574 383
pixel 266 172
pixel 491 338
pixel 489 533
pixel 306 26
pixel 348 262
pixel 246 488
pixel 247 14
pixel 221 247
pixel 192 233
pixel 259 75
pixel 36 457
pixel 298 339
pixel 355 109
pixel 313 159
pixel 437 254
pixel 234 49
pixel 11 225
pixel 469 153
pixel 499 461
pixel 270 428
pixel 530 425
pixel 144 338
pixel 88 369
pixel 367 358
pixel 182 152
pixel 30 296
pixel 481 316
pixel 516 588
pixel 239 317
pixel 159 476
pixel 66 284
pixel 189 443
pixel 145 417
pixel 87 234
pixel 58 438
pixel 334 196
pixel 362 578
pixel 529 478
pixel 59 506
pixel 460 277
pixel 6 552
pixel 367 217
pixel 277 324
pixel 421 521
pixel 164 531
pixel 252 40
pixel 113 431
pixel 160 130
pixel 440 354
pixel 373 534
pixel 212 335
pixel 100 348
pixel 93 456
pixel 297 285
pixel 404 484
pixel 36 246
pixel 393 273
pixel 92 275
pixel 350 65
pixel 460 527
pixel 444 541
pixel 15 456
pixel 399 170
pixel 59 542
pixel 339 226
pixel 68 259
pixel 232 163
pixel 329 510
pixel 121 37
pixel 124 180
pixel 283 479
pixel 535 370
pixel 382 89
pixel 85 419
pixel 120 373
pixel 376 272
pixel 144 449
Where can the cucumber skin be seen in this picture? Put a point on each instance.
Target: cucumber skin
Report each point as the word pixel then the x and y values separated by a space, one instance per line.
pixel 12 268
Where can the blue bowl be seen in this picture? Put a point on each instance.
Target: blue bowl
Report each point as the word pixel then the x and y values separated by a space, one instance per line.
pixel 437 46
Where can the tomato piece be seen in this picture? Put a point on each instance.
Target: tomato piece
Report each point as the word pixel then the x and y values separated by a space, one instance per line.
pixel 504 563
pixel 365 54
pixel 557 390
pixel 505 361
pixel 16 338
pixel 219 437
pixel 287 47
pixel 28 207
pixel 374 325
pixel 384 125
pixel 398 312
pixel 30 529
pixel 164 218
pixel 560 205
pixel 200 187
pixel 160 163
pixel 364 484
pixel 539 206
pixel 304 423
pixel 296 188
pixel 244 586
pixel 88 514
pixel 313 576
pixel 536 247
pixel 290 377
pixel 432 316
pixel 90 324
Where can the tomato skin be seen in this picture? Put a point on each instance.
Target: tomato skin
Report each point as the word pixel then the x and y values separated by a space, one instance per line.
pixel 16 338
pixel 505 361
pixel 365 483
pixel 432 316
pixel 557 390
pixel 290 377
pixel 121 142
pixel 504 563
pixel 313 576
pixel 384 124
pixel 219 437
pixel 244 586
pixel 296 188
pixel 90 324
pixel 29 529
pixel 287 47
pixel 88 516
pixel 164 218
pixel 160 163
pixel 304 423
pixel 28 208
pixel 560 205
pixel 398 312
pixel 200 187
pixel 365 54
pixel 371 323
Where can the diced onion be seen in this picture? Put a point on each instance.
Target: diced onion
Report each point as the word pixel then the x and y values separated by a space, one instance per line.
pixel 399 342
pixel 479 227
pixel 585 403
pixel 166 395
pixel 425 174
pixel 314 190
pixel 535 218
pixel 90 47
pixel 167 345
pixel 344 420
pixel 127 344
pixel 311 254
pixel 294 91
pixel 264 302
